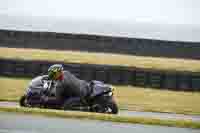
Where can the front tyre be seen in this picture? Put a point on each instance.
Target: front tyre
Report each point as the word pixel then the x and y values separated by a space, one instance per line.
pixel 22 101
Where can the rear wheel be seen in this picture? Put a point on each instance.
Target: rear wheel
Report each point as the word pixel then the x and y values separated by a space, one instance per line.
pixel 105 106
pixel 111 107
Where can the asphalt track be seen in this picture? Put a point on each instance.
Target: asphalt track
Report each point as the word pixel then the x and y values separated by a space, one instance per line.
pixel 169 116
pixel 20 123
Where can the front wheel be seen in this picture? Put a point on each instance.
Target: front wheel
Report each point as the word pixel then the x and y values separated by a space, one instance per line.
pixel 22 101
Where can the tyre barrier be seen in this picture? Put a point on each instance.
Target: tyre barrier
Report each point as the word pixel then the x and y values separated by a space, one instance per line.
pixel 118 75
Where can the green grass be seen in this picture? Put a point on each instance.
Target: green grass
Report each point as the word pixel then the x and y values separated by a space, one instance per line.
pixel 101 58
pixel 154 100
pixel 128 97
pixel 12 88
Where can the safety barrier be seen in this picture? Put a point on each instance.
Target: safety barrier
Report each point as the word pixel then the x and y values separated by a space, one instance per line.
pixel 188 81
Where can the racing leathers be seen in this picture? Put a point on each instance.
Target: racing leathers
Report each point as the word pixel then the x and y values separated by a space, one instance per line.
pixel 71 86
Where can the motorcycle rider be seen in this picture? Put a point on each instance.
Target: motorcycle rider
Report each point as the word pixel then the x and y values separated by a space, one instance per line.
pixel 67 85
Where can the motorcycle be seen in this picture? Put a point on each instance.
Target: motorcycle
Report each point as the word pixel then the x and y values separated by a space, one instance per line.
pixel 100 100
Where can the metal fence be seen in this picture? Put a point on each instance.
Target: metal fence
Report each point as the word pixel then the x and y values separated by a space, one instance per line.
pixel 172 80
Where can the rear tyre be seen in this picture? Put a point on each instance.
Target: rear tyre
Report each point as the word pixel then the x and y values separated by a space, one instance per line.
pixel 108 106
pixel 112 107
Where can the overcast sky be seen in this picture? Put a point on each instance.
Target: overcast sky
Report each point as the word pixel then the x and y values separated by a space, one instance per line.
pixel 159 19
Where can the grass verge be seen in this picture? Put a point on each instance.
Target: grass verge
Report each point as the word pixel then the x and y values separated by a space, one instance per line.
pixel 128 97
pixel 104 117
pixel 102 58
